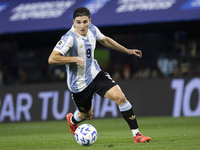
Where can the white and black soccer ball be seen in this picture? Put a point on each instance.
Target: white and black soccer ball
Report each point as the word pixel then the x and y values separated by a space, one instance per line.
pixel 85 135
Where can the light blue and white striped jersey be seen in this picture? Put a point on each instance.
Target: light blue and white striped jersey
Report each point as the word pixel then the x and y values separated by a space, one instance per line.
pixel 74 44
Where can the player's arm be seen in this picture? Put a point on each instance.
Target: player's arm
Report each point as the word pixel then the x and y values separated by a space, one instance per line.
pixel 57 58
pixel 110 43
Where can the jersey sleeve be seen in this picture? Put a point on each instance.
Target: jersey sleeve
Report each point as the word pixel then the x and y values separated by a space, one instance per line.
pixel 65 43
pixel 99 35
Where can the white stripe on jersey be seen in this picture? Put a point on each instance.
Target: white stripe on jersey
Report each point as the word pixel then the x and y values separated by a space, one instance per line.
pixel 78 78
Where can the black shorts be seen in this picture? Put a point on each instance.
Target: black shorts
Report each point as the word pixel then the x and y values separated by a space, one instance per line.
pixel 100 85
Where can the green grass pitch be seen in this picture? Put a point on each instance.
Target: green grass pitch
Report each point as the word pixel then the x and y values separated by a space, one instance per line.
pixel 167 133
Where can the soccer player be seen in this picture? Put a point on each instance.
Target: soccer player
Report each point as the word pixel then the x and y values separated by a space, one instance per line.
pixel 84 76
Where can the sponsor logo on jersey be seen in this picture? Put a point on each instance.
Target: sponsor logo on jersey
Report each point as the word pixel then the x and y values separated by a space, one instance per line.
pixel 92 40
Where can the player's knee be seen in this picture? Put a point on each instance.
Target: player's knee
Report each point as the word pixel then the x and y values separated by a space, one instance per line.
pixel 121 99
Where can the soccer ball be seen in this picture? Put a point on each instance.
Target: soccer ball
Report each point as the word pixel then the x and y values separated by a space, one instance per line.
pixel 85 135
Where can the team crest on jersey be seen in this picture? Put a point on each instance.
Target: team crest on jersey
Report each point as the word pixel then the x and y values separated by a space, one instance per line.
pixel 92 40
pixel 81 46
pixel 60 43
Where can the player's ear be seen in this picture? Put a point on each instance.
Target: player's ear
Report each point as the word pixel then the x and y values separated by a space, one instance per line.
pixel 90 20
pixel 74 23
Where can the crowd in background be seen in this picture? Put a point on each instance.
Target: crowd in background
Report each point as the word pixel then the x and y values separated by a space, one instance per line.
pixel 165 54
pixel 175 54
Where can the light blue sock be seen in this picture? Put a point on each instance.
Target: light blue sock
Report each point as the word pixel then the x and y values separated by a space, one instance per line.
pixel 76 116
pixel 125 107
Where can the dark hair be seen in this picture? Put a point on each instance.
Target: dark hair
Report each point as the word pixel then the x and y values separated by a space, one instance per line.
pixel 81 11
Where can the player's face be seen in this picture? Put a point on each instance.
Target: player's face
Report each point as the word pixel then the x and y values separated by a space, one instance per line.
pixel 81 24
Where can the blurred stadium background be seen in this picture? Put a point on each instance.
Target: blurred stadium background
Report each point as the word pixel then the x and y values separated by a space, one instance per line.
pixel 165 82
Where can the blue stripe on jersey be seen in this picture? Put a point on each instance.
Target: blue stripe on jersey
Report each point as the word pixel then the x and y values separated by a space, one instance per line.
pixel 88 52
pixel 72 66
pixel 96 65
pixel 93 30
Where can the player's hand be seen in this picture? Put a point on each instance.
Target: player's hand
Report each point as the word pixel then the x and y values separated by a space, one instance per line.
pixel 80 62
pixel 135 52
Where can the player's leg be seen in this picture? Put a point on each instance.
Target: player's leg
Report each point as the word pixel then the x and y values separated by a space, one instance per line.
pixel 78 117
pixel 72 125
pixel 115 94
pixel 106 87
pixel 83 102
